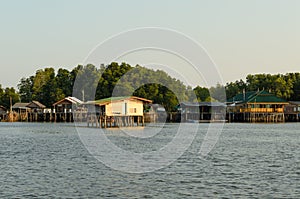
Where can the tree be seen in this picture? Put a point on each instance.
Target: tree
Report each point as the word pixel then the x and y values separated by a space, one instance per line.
pixel 26 89
pixel 218 93
pixel 234 88
pixel 44 86
pixel 296 89
pixel 202 93
pixel 64 83
pixel 87 79
pixel 7 94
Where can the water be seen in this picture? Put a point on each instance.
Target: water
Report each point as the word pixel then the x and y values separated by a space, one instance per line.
pixel 250 160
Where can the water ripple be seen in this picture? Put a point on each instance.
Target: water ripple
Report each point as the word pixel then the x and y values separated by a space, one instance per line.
pixel 250 160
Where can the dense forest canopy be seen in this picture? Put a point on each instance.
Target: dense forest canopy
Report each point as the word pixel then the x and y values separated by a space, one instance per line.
pixel 48 86
pixel 285 86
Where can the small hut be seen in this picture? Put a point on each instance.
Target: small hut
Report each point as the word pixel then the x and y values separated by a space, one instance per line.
pixel 67 105
pixel 117 111
pixel 21 110
pixel 65 108
pixel 3 110
pixel 36 106
pixel 3 113
pixel 292 111
pixel 202 111
pixel 20 107
pixel 155 113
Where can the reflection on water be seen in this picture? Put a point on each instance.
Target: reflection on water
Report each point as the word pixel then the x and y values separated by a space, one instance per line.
pixel 250 160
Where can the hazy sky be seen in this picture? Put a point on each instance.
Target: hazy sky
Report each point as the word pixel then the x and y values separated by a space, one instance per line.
pixel 241 36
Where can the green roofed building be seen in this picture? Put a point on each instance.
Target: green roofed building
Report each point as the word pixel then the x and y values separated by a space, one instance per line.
pixel 256 106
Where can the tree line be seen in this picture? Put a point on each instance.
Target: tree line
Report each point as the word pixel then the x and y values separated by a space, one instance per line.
pixel 286 86
pixel 48 86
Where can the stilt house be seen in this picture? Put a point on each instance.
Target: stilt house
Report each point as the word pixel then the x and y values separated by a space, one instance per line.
pixel 117 111
pixel 256 106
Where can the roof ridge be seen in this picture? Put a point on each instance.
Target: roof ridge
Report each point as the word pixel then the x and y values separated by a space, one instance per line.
pixel 252 96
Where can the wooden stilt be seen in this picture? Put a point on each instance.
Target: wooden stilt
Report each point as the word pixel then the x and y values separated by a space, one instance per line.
pixel 100 122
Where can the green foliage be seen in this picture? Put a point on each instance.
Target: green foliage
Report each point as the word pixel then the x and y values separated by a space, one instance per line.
pixel 217 93
pixel 44 87
pixel 296 88
pixel 86 82
pixel 284 86
pixel 64 83
pixel 26 88
pixel 109 78
pixel 234 88
pixel 202 93
pixel 6 94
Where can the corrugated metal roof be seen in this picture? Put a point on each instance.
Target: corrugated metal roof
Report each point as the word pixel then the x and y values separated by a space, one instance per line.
pixel 35 104
pixel 294 102
pixel 72 100
pixel 20 105
pixel 2 108
pixel 113 99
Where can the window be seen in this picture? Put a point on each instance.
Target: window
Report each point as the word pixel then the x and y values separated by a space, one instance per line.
pixel 132 110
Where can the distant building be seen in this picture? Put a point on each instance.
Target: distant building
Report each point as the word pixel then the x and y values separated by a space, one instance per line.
pixel 20 107
pixel 256 106
pixel 3 110
pixel 33 106
pixel 119 106
pixel 36 106
pixel 116 111
pixel 155 113
pixel 292 111
pixel 292 107
pixel 202 111
pixel 20 111
pixel 67 105
pixel 3 113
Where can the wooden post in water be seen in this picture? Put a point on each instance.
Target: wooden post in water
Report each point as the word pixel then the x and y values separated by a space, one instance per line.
pixel 96 121
pixel 100 121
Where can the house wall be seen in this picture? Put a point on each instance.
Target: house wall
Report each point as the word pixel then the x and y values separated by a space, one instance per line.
pixel 135 108
pixel 114 108
pixel 291 108
pixel 193 109
pixel 126 107
pixel 63 107
pixel 2 111
pixel 261 108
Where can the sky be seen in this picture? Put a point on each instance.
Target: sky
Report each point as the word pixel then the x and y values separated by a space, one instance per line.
pixel 240 36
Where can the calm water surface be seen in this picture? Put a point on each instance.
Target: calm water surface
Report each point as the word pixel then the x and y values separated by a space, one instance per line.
pixel 250 160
